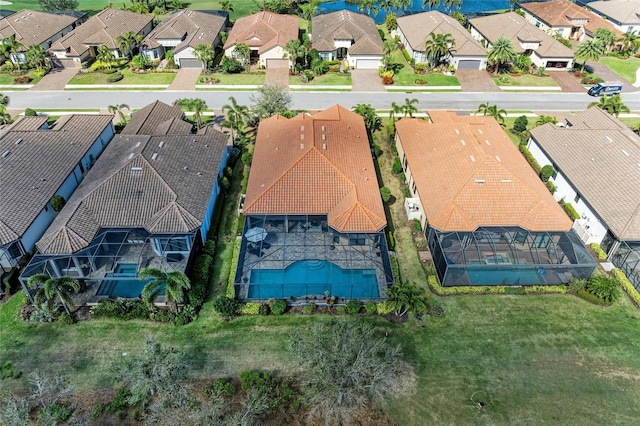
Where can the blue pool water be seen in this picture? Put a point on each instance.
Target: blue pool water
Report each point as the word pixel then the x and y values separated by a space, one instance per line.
pixel 313 277
pixel 468 7
pixel 523 277
pixel 125 283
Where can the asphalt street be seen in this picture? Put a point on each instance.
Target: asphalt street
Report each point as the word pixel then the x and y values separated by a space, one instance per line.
pixel 317 100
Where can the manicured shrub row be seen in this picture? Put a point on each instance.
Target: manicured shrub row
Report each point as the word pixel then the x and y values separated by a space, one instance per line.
pixel 529 157
pixel 551 187
pixel 601 254
pixel 568 208
pixel 406 55
pixel 395 269
pixel 200 277
pixel 559 289
pixel 231 290
pixel 584 294
pixel 446 291
pixel 250 308
pixel 627 286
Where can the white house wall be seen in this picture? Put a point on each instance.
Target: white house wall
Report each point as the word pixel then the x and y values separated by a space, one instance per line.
pixel 186 53
pixel 410 181
pixel 276 52
pixel 542 62
pixel 353 59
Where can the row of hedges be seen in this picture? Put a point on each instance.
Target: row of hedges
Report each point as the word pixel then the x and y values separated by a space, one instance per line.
pixel 569 209
pixel 598 250
pixel 627 286
pixel 448 291
pixel 231 291
pixel 532 161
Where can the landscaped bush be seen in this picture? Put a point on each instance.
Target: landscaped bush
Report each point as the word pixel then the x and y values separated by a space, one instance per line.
pixel 371 308
pixel 586 295
pixel 30 112
pixel 200 280
pixel 353 307
pixel 250 308
pixel 162 315
pixel 309 308
pixel 220 387
pixel 277 306
pixel 387 77
pixel 532 161
pixel 599 252
pixel 421 68
pixel 23 79
pixel 560 289
pixel 420 82
pixel 385 193
pixel 118 405
pixel 604 287
pixel 520 124
pixel 115 77
pixel 568 208
pixel 406 55
pixel 391 243
pixel 396 168
pixel 385 308
pixel 546 172
pixel 446 291
pixel 225 306
pixel 417 226
pixel 57 203
pixel 121 309
pixel 551 187
pixel 109 71
pixel 627 286
pixel 231 66
pixel 395 269
pixel 231 290
pixel 65 319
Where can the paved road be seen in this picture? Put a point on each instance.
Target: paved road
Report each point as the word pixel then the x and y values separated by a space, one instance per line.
pixel 319 100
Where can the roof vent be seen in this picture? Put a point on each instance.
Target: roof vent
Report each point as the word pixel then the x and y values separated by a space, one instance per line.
pixel 457 131
pixel 505 180
pixel 480 181
pixel 324 137
pixel 625 152
pixel 136 169
pixel 608 139
pixel 194 141
pixel 302 128
pixel 480 131
pixel 301 136
pixel 498 158
pixel 138 144
pixel 19 141
pixel 324 146
pixel 130 156
pixel 6 154
pixel 323 128
pixel 161 144
pixel 472 158
pixel 487 142
pixel 154 157
pixel 463 142
pixel 199 173
pixel 185 168
pixel 301 146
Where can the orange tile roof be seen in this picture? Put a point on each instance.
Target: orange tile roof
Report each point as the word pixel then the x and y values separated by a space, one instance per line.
pixel 319 164
pixel 563 13
pixel 469 174
pixel 263 30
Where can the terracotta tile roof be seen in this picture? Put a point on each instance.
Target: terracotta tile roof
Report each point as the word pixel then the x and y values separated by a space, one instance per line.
pixel 469 174
pixel 564 13
pixel 416 29
pixel 103 28
pixel 36 165
pixel 31 27
pixel 514 27
pixel 156 118
pixel 346 25
pixel 319 164
pixel 191 27
pixel 622 11
pixel 600 156
pixel 263 30
pixel 159 183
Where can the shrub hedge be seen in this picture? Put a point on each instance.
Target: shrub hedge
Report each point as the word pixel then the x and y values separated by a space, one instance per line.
pixel 627 286
pixel 353 307
pixel 551 187
pixel 200 280
pixel 584 294
pixel 568 208
pixel 231 290
pixel 601 254
pixel 446 291
pixel 115 77
pixel 395 269
pixel 278 306
pixel 532 161
pixel 371 308
pixel 250 308
pixel 558 289
pixel 385 308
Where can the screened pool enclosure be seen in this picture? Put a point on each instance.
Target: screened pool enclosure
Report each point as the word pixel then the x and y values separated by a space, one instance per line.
pixel 508 256
pixel 299 257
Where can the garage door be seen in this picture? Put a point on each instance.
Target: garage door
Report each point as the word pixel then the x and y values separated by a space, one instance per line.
pixel 367 64
pixel 469 65
pixel 190 63
pixel 278 63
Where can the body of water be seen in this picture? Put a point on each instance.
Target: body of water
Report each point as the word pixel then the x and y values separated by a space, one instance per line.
pixel 468 7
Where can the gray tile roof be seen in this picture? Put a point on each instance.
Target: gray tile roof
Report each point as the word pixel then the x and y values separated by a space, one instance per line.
pixel 600 156
pixel 157 118
pixel 191 27
pixel 37 163
pixel 416 29
pixel 623 11
pixel 513 26
pixel 346 25
pixel 160 183
pixel 103 28
pixel 31 27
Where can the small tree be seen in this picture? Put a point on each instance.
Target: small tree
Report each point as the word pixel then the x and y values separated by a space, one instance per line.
pixel 174 283
pixel 391 22
pixel 49 289
pixel 589 50
pixel 385 193
pixel 371 120
pixel 270 100
pixel 492 111
pixel 241 52
pixel 520 124
pixel 195 105
pixel 407 298
pixel 105 56
pixel 204 53
pixel 502 53
pixel 117 109
pixel 57 202
pixel 30 112
pixel 613 105
pixel 546 172
pixel 544 119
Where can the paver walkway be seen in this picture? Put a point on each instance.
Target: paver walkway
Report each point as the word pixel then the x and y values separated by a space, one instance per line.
pixel 607 75
pixel 476 81
pixel 56 79
pixel 186 79
pixel 366 81
pixel 277 76
pixel 567 82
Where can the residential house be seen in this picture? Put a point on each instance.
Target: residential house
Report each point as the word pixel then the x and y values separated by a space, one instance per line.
pixel 104 28
pixel 347 35
pixel 36 163
pixel 596 161
pixel 147 202
pixel 623 14
pixel 182 32
pixel 314 220
pixel 488 217
pixel 528 40
pixel 565 18
pixel 266 33
pixel 414 31
pixel 32 27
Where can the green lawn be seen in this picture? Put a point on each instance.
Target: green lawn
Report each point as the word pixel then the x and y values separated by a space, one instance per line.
pixel 8 78
pixel 406 77
pixel 625 68
pixel 328 79
pixel 236 79
pixel 526 80
pixel 129 78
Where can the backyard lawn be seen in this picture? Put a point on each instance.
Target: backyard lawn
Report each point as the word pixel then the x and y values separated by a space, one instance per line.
pixel 328 79
pixel 129 78
pixel 525 80
pixel 625 68
pixel 235 79
pixel 406 77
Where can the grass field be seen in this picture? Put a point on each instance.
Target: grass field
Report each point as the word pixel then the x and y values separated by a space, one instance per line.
pixel 525 80
pixel 8 78
pixel 129 78
pixel 241 79
pixel 328 79
pixel 625 68
pixel 406 77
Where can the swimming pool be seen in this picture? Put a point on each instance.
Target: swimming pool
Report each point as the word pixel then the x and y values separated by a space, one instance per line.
pixel 521 276
pixel 125 283
pixel 313 277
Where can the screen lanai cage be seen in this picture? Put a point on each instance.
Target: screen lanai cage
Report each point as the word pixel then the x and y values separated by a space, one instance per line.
pixel 300 258
pixel 508 256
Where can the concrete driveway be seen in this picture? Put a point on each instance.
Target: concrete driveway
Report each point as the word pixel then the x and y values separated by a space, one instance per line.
pixel 607 75
pixel 366 81
pixel 567 81
pixel 186 79
pixel 476 81
pixel 56 79
pixel 278 76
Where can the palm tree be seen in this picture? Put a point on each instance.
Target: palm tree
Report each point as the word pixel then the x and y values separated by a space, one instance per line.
pixel 105 55
pixel 438 48
pixel 369 6
pixel 294 50
pixel 49 288
pixel 117 109
pixel 589 50
pixel 11 45
pixel 5 118
pixel 407 298
pixel 394 112
pixel 235 117
pixel 204 53
pixel 128 41
pixel 492 111
pixel 36 55
pixel 607 37
pixel 501 53
pixel 452 4
pixel 544 119
pixel 612 105
pixel 197 106
pixel 242 51
pixel 629 42
pixel 386 5
pixel 4 100
pixel 174 283
pixel 309 9
pixel 140 8
pixel 409 107
pixel 404 4
pixel 226 6
pixel 431 3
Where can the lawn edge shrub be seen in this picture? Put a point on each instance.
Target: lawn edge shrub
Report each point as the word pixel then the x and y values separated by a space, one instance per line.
pixel 448 291
pixel 250 308
pixel 556 289
pixel 627 286
pixel 385 308
pixel 530 159
pixel 596 248
pixel 587 296
pixel 231 290
pixel 277 306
